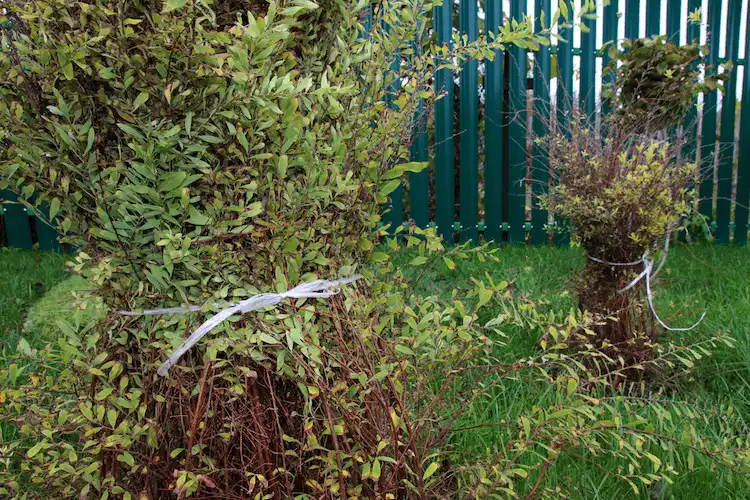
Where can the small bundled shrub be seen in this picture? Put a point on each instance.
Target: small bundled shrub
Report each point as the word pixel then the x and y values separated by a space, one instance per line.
pixel 624 184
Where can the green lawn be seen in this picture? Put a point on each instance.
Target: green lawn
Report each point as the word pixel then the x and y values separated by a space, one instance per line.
pixel 701 278
pixel 696 279
pixel 25 276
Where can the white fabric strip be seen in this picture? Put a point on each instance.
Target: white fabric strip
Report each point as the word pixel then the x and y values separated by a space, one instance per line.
pixel 313 289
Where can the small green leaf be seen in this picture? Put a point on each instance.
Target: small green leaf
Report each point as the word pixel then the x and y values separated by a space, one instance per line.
pixel 418 261
pixel 196 217
pixel 375 472
pixel 389 187
pixel 140 100
pixel 36 449
pixel 126 458
pixel 572 386
pixel 172 181
pixel 171 5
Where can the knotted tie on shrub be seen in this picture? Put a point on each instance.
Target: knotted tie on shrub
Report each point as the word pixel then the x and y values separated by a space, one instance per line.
pixel 648 273
pixel 313 289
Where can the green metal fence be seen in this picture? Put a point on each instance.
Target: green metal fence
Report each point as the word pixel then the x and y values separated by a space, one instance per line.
pixel 495 188
pixel 490 134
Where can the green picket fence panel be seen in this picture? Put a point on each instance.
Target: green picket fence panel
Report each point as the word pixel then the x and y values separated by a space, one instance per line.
pixel 632 18
pixel 588 65
pixel 564 106
pixel 419 182
pixel 609 36
pixel 674 16
pixel 16 220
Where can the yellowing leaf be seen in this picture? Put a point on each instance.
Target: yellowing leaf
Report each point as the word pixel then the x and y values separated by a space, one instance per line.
pixel 431 469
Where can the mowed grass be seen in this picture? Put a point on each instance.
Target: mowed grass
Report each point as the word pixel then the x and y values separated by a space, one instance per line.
pixel 699 278
pixel 25 276
pixel 703 277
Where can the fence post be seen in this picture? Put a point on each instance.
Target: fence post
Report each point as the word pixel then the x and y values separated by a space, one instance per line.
pixel 708 132
pixel 517 134
pixel 632 18
pixel 16 221
pixel 653 17
pixel 674 14
pixel 565 103
pixel 540 159
pixel 444 188
pixel 588 64
pixel 493 129
pixel 469 130
pixel 728 115
pixel 743 170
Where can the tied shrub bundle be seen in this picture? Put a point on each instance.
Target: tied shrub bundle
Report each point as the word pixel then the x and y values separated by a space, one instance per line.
pixel 624 184
pixel 196 158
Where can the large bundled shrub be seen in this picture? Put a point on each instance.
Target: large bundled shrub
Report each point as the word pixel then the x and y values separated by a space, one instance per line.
pixel 192 160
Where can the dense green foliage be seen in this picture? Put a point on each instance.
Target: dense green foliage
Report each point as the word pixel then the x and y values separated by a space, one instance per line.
pixel 657 82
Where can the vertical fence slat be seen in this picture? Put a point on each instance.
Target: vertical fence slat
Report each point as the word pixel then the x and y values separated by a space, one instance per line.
pixel 708 129
pixel 46 234
pixel 444 187
pixel 469 127
pixel 493 130
pixel 564 103
pixel 632 18
pixel 16 222
pixel 743 170
pixel 517 134
pixel 419 183
pixel 588 64
pixel 674 14
pixel 540 172
pixel 690 127
pixel 728 115
pixel 653 17
pixel 609 34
